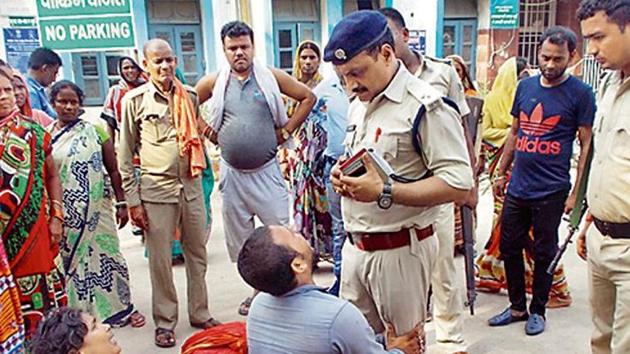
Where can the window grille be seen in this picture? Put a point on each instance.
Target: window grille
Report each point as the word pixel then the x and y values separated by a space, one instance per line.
pixel 535 16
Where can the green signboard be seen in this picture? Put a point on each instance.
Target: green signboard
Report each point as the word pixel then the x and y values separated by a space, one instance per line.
pixel 80 25
pixel 22 21
pixel 504 13
pixel 53 8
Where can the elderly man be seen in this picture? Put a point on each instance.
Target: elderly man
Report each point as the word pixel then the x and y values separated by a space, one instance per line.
pixel 160 121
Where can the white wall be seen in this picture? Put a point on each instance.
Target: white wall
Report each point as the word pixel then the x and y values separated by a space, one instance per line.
pixel 420 15
pixel 224 11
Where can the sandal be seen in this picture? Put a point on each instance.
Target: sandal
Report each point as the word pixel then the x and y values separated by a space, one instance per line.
pixel 207 324
pixel 137 320
pixel 164 338
pixel 243 309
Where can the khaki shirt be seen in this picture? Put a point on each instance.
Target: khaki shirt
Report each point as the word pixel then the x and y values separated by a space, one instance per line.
pixel 608 191
pixel 443 77
pixel 444 149
pixel 148 128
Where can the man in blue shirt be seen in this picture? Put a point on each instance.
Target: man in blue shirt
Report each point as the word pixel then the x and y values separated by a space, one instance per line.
pixel 43 67
pixel 548 111
pixel 333 93
pixel 293 315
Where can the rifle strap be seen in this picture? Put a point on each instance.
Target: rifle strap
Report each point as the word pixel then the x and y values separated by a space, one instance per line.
pixel 415 130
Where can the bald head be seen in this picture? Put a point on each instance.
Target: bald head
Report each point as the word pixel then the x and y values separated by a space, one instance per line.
pixel 159 62
pixel 155 44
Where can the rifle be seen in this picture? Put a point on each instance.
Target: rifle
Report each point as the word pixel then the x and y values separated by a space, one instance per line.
pixel 576 215
pixel 467 227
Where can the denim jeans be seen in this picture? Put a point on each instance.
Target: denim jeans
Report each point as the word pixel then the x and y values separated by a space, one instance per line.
pixel 518 217
pixel 338 233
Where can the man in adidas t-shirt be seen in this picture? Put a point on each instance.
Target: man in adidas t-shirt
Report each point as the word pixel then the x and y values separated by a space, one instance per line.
pixel 548 111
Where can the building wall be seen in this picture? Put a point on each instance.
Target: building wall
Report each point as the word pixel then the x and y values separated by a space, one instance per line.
pixel 495 45
pixel 460 8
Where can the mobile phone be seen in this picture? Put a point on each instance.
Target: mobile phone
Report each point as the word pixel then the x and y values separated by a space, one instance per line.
pixel 354 166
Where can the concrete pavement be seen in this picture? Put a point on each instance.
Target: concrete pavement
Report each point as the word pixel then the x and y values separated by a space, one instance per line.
pixel 568 329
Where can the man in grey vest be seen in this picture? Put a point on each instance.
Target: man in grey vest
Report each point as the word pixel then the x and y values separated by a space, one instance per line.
pixel 248 122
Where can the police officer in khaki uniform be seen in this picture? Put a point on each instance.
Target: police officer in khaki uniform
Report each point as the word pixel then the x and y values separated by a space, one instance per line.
pixel 168 195
pixel 606 25
pixel 387 265
pixel 448 278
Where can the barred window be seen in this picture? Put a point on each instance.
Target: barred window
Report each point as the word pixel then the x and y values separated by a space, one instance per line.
pixel 534 17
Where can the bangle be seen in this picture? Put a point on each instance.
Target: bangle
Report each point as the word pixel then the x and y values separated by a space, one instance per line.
pixel 57 214
pixel 120 204
pixel 58 217
pixel 54 202
pixel 206 131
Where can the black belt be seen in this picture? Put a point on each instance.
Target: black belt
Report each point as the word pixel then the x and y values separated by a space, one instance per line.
pixel 612 229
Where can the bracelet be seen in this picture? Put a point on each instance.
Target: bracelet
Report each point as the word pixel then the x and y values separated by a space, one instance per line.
pixel 58 217
pixel 57 214
pixel 206 131
pixel 54 202
pixel 121 204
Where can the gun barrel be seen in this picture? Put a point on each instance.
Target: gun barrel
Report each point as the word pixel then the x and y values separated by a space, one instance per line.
pixel 565 244
pixel 467 226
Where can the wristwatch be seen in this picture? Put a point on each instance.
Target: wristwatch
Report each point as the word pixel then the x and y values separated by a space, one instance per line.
pixel 285 134
pixel 385 199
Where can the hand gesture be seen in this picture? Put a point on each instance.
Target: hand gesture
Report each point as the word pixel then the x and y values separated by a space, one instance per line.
pixel 122 216
pixel 365 188
pixel 569 204
pixel 55 226
pixel 498 187
pixel 335 178
pixel 410 342
pixel 139 217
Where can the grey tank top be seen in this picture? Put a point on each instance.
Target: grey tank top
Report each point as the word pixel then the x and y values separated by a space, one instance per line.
pixel 247 135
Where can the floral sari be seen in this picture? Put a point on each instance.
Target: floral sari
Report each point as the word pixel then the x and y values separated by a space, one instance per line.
pixel 96 273
pixel 24 221
pixel 310 204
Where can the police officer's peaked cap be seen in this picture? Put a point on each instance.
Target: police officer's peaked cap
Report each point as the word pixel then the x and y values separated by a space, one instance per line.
pixel 353 34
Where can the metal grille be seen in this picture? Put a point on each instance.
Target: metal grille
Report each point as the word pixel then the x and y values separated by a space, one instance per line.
pixel 535 16
pixel 591 71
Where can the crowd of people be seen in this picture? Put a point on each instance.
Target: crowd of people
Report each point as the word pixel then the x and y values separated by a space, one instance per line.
pixel 368 166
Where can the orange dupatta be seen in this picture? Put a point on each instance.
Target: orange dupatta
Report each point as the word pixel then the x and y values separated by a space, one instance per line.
pixel 188 137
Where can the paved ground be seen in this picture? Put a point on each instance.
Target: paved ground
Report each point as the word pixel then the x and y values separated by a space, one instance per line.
pixel 568 329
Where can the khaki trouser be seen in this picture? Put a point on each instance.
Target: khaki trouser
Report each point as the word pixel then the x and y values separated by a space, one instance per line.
pixel 447 282
pixel 385 285
pixel 163 219
pixel 609 282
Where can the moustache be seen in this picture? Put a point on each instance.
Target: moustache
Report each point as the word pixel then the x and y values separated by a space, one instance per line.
pixel 358 90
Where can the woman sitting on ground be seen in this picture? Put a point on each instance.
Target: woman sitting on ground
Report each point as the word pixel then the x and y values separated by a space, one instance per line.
pixel 70 331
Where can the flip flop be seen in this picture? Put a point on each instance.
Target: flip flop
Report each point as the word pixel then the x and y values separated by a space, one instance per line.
pixel 137 320
pixel 164 338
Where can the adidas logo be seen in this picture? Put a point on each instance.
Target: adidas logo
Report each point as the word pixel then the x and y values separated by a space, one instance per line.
pixel 536 126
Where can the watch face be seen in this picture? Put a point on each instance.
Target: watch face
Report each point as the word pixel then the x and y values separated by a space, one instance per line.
pixel 385 202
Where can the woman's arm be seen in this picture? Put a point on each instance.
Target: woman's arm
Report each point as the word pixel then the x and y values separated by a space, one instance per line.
pixel 55 194
pixel 109 160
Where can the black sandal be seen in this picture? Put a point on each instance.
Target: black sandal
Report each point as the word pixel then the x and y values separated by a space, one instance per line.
pixel 243 309
pixel 167 338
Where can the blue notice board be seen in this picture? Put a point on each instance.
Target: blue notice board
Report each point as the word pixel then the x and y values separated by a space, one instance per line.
pixel 19 43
